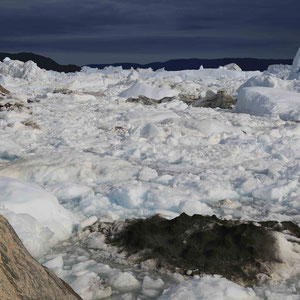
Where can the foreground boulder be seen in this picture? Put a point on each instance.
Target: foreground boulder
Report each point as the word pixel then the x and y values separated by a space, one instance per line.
pixel 244 252
pixel 22 277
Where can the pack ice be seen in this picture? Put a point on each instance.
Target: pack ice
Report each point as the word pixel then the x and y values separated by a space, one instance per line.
pixel 73 151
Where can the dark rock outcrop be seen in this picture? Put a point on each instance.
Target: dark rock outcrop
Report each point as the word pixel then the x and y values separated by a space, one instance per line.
pixel 239 251
pixel 22 277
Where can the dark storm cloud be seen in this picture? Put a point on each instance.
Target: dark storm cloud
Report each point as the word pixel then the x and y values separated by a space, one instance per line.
pixel 148 45
pixel 67 17
pixel 166 27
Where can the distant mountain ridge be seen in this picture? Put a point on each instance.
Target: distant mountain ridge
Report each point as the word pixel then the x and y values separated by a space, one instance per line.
pixel 42 61
pixel 247 64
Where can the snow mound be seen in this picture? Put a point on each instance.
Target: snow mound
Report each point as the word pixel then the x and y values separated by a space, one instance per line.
pixel 263 101
pixel 295 72
pixel 151 288
pixel 207 288
pixel 39 215
pixel 280 71
pixel 34 236
pixel 265 80
pixel 18 69
pixel 71 168
pixel 144 89
pixel 124 282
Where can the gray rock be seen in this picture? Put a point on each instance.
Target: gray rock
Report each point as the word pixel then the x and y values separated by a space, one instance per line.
pixel 3 91
pixel 22 277
pixel 221 100
pixel 149 101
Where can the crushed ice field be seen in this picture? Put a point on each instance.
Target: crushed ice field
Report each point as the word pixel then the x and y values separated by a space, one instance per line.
pixel 76 151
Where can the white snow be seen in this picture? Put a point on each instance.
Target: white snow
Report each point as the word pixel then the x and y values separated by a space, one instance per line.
pixel 36 206
pixel 144 89
pixel 280 71
pixel 18 69
pixel 207 288
pixel 152 288
pixel 35 237
pixel 124 281
pixel 88 222
pixel 263 101
pixel 97 155
pixel 90 287
pixel 233 67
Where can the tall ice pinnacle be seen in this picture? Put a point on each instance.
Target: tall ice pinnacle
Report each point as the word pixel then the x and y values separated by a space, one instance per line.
pixel 295 72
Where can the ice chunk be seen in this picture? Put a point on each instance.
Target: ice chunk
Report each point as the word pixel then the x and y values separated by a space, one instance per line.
pixel 151 287
pixel 295 72
pixel 130 195
pixel 18 69
pixel 34 236
pixel 88 222
pixel 124 282
pixel 151 131
pixel 90 287
pixel 79 98
pixel 54 263
pixel 22 197
pixel 192 207
pixel 147 174
pixel 266 80
pixel 68 191
pixel 280 71
pixel 208 288
pixel 263 101
pixel 144 89
pixel 233 67
pixel 69 167
pixel 96 242
pixel 274 191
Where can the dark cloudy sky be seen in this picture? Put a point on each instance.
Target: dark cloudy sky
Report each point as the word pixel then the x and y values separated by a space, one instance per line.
pixel 106 31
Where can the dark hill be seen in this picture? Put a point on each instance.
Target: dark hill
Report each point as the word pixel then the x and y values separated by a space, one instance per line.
pixel 247 64
pixel 42 61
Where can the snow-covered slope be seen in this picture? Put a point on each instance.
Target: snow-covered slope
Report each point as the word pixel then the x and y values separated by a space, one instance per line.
pixel 266 101
pixel 94 154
